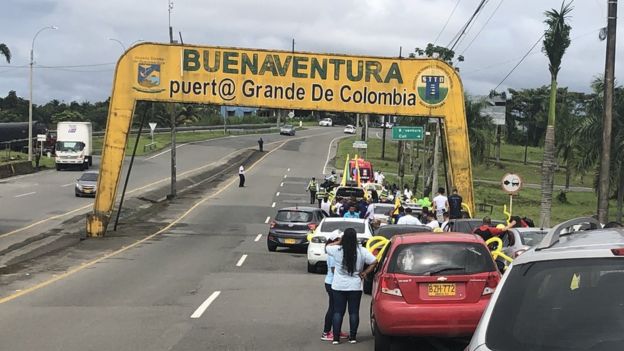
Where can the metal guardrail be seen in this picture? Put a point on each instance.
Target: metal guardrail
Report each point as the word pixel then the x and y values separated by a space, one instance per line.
pixel 196 128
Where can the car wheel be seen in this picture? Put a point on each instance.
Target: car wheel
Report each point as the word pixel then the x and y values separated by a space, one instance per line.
pixel 382 342
pixel 77 195
pixel 311 268
pixel 271 246
pixel 58 167
pixel 90 161
pixel 82 167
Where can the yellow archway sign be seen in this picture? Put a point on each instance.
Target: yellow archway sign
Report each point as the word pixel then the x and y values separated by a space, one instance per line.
pixel 284 80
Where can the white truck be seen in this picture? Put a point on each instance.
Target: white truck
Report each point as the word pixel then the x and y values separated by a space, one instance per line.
pixel 73 145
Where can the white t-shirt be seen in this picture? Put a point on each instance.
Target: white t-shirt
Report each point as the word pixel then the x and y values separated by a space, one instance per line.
pixel 407 193
pixel 440 202
pixel 376 177
pixel 241 170
pixel 325 206
pixel 409 219
pixel 381 178
pixel 433 224
pixel 343 281
pixel 444 225
pixel 370 210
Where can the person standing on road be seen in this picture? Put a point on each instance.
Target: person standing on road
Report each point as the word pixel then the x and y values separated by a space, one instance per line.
pixel 326 206
pixel 349 259
pixel 381 177
pixel 261 144
pixel 440 204
pixel 455 205
pixel 328 335
pixel 312 188
pixel 241 176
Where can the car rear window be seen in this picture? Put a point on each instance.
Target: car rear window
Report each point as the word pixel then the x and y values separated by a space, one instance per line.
pixel 441 258
pixel 342 226
pixel 89 177
pixel 560 305
pixel 293 216
pixel 389 232
pixel 532 238
pixel 348 192
pixel 383 209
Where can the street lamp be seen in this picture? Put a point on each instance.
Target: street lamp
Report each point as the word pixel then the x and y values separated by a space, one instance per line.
pixel 30 122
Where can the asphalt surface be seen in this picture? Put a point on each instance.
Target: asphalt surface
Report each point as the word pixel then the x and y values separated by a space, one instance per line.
pixel 35 203
pixel 207 283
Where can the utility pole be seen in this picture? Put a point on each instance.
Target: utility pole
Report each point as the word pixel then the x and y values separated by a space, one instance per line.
pixel 607 117
pixel 172 110
pixel 401 157
pixel 293 45
pixel 383 138
pixel 436 158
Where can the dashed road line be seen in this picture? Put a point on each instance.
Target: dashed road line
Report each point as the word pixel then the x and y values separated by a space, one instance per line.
pixel 26 194
pixel 288 170
pixel 285 176
pixel 267 220
pixel 282 185
pixel 241 261
pixel 277 193
pixel 66 185
pixel 202 308
pixel 258 238
pixel 273 204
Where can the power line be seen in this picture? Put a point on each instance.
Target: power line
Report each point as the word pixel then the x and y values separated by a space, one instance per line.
pixel 519 62
pixel 462 31
pixel 447 22
pixel 483 27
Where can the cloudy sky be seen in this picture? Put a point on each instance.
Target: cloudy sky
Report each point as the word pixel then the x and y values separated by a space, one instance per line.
pixel 76 62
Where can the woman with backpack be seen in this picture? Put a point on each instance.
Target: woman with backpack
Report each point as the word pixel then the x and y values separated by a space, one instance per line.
pixel 349 260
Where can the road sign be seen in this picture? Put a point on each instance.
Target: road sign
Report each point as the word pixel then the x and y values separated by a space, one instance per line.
pixel 408 133
pixel 291 114
pixel 42 137
pixel 511 183
pixel 360 145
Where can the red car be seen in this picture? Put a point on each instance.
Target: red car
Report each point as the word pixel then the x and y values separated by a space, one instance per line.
pixel 434 284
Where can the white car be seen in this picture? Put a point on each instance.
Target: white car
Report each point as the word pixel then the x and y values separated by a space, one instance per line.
pixel 381 211
pixel 316 249
pixel 326 122
pixel 349 129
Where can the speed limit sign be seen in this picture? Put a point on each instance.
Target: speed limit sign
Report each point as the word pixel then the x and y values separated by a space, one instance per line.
pixel 511 183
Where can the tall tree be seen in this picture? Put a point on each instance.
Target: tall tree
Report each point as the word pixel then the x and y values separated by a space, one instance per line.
pixel 556 41
pixel 4 51
pixel 480 129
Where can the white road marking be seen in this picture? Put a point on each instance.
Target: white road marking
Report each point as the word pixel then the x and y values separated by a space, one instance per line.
pixel 288 170
pixel 258 238
pixel 202 308
pixel 282 185
pixel 66 185
pixel 277 194
pixel 241 261
pixel 30 193
pixel 166 151
pixel 267 220
pixel 273 204
pixel 329 152
pixel 285 176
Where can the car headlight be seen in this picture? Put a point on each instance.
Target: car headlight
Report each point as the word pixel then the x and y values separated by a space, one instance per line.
pixel 78 186
pixel 319 239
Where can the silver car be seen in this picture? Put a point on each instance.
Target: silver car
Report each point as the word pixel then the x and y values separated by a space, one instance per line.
pixel 566 293
pixel 287 130
pixel 87 183
pixel 519 240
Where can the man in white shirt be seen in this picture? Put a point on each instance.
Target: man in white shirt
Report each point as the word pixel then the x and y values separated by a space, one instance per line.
pixel 381 177
pixel 376 177
pixel 241 176
pixel 407 193
pixel 432 222
pixel 408 218
pixel 326 206
pixel 445 222
pixel 440 204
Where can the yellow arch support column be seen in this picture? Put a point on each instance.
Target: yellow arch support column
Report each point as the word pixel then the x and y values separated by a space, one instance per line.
pixel 118 125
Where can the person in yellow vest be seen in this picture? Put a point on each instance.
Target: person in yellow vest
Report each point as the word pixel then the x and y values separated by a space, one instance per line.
pixel 312 188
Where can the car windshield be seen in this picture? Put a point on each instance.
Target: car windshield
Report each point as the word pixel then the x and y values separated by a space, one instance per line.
pixel 560 305
pixel 382 210
pixel 348 192
pixel 89 177
pixel 389 231
pixel 328 227
pixel 448 258
pixel 293 216
pixel 532 238
pixel 69 146
pixel 288 127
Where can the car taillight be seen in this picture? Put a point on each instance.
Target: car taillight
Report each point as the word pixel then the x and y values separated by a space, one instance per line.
pixel 312 226
pixel 490 284
pixel 390 286
pixel 618 252
pixel 272 225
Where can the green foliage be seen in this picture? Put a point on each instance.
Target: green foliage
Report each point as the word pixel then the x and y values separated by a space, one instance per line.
pixel 4 51
pixel 436 51
pixel 480 131
pixel 67 116
pixel 556 37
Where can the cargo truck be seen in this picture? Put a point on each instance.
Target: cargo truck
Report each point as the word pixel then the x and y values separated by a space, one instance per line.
pixel 73 145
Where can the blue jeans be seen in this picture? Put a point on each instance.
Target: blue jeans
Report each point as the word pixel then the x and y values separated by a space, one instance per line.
pixel 341 300
pixel 329 315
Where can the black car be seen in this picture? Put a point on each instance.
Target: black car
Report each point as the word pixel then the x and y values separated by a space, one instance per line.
pixel 467 225
pixel 291 226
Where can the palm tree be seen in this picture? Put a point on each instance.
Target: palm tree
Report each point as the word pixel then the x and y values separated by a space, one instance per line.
pixel 556 41
pixel 4 51
pixel 479 130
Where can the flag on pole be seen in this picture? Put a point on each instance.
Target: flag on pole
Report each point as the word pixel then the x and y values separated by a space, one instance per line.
pixel 345 172
pixel 397 204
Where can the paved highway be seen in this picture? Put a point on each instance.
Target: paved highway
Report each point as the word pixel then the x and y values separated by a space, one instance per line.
pixel 34 203
pixel 207 283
